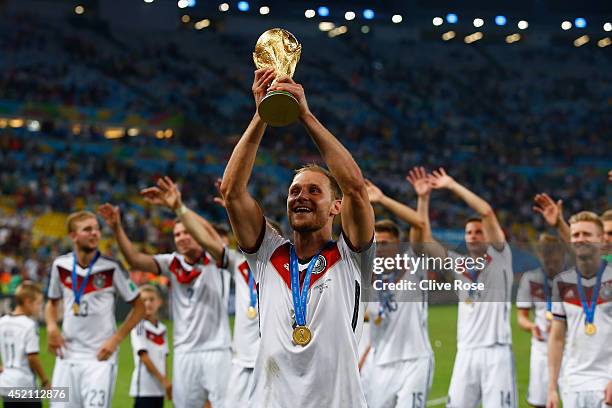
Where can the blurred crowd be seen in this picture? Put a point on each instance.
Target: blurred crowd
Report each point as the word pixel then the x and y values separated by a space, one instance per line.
pixel 508 122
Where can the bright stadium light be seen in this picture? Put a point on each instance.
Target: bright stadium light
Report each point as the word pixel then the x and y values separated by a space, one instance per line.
pixel 437 21
pixel 449 35
pixel 323 11
pixel 566 25
pixel 604 42
pixel 202 24
pixel 148 1
pixel 500 20
pixel 452 18
pixel 368 14
pixel 182 4
pixel 478 22
pixel 397 19
pixel 522 25
pixel 349 15
pixel 513 38
pixel 223 7
pixel 33 125
pixel 243 6
pixel 79 10
pixel 263 10
pixel 326 26
pixel 365 29
pixel 473 37
pixel 185 18
pixel 580 22
pixel 580 41
pixel 191 3
pixel 607 27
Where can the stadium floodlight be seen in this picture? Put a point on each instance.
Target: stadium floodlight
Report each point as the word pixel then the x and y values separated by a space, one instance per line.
pixel 223 7
pixel 566 25
pixel 191 3
pixel 580 22
pixel 79 10
pixel 185 18
pixel 522 25
pixel 365 29
pixel 263 10
pixel 368 14
pixel 202 24
pixel 451 18
pixel 326 26
pixel 243 6
pixel 580 41
pixel 437 21
pixel 349 15
pixel 396 19
pixel 500 20
pixel 478 22
pixel 607 27
pixel 604 42
pixel 182 4
pixel 148 1
pixel 323 11
pixel 449 35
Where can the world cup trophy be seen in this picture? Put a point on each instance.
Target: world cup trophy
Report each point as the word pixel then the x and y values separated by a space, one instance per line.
pixel 278 49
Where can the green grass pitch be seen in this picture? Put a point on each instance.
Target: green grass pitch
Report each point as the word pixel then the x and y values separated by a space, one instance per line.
pixel 442 332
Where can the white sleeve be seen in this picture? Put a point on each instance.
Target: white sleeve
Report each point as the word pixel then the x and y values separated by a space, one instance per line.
pixel 138 337
pixel 557 303
pixel 32 342
pixel 54 291
pixel 163 263
pixel 362 262
pixel 258 260
pixel 523 296
pixel 124 285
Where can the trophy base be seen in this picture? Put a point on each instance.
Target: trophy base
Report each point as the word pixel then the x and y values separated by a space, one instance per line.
pixel 279 108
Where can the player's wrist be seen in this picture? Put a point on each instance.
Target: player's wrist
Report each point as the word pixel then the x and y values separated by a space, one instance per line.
pixel 180 210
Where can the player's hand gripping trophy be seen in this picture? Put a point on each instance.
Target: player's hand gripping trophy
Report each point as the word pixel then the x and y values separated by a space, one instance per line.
pixel 278 49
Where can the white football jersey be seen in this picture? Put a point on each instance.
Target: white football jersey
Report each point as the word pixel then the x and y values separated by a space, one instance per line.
pixel 531 295
pixel 246 331
pixel 402 334
pixel 486 321
pixel 153 339
pixel 324 372
pixel 198 301
pixel 18 338
pixel 95 323
pixel 588 359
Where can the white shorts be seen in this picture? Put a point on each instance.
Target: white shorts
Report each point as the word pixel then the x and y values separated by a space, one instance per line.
pixel 91 383
pixel 199 376
pixel 483 374
pixel 538 377
pixel 240 386
pixel 399 384
pixel 583 399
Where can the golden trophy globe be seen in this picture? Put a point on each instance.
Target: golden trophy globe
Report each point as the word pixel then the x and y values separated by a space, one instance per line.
pixel 278 49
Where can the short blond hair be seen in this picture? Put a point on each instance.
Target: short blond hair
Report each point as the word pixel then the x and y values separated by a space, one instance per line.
pixel 586 216
pixel 335 187
pixel 546 238
pixel 27 290
pixel 606 216
pixel 150 289
pixel 75 217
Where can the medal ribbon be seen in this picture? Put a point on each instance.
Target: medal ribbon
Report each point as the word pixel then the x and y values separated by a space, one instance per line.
pixel 547 295
pixel 474 276
pixel 78 291
pixel 252 292
pixel 589 309
pixel 300 298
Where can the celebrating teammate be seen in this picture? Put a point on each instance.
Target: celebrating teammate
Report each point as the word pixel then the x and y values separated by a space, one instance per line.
pixel 200 291
pixel 484 363
pixel 309 290
pixel 399 366
pixel 87 282
pixel 535 293
pixel 582 322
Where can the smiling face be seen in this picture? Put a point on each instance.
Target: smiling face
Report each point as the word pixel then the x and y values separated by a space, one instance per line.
pixel 86 234
pixel 474 237
pixel 586 238
pixel 184 242
pixel 311 204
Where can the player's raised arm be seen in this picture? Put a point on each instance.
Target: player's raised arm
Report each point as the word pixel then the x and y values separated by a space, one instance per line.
pixel 552 212
pixel 167 194
pixel 357 212
pixel 134 257
pixel 245 214
pixel 493 232
pixel 401 211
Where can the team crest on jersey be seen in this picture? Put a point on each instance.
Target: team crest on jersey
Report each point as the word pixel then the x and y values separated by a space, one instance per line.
pixel 320 265
pixel 99 281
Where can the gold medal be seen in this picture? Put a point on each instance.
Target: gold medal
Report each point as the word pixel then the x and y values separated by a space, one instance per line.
pixel 75 309
pixel 251 312
pixel 301 335
pixel 549 316
pixel 469 301
pixel 590 329
pixel 378 320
